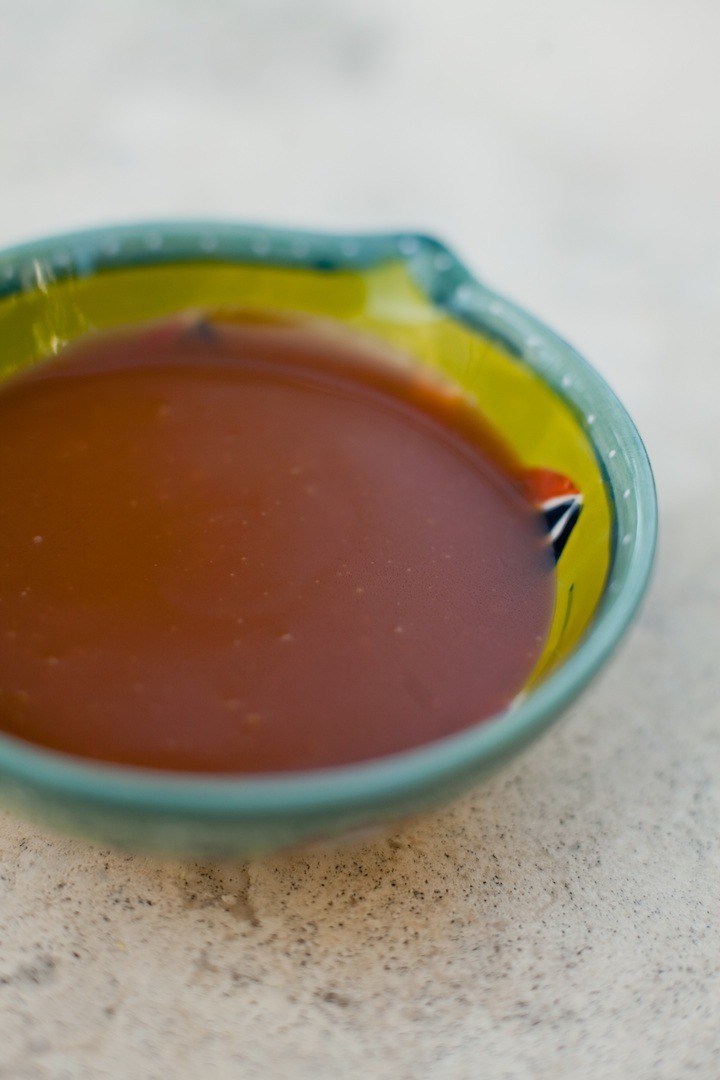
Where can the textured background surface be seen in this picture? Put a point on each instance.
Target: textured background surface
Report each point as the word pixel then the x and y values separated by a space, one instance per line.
pixel 564 920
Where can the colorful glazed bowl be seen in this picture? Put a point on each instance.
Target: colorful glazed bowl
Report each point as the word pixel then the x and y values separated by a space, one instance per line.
pixel 411 292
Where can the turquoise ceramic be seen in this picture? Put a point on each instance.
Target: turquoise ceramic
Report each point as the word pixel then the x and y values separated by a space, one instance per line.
pixel 412 292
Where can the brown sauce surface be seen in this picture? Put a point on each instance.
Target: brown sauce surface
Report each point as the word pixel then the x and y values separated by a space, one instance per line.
pixel 253 546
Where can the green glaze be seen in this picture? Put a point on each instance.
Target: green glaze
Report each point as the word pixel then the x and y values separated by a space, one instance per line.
pixel 202 816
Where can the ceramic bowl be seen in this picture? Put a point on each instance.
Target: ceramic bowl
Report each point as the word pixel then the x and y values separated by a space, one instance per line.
pixel 565 424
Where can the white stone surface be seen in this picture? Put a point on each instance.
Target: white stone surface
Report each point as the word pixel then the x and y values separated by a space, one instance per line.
pixel 562 921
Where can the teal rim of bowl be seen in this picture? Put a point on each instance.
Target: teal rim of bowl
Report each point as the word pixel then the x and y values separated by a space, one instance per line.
pixel 452 289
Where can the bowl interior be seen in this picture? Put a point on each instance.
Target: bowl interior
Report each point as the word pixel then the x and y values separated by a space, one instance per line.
pixel 384 298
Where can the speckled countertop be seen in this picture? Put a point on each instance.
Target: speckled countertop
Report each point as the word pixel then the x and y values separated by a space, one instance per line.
pixel 563 920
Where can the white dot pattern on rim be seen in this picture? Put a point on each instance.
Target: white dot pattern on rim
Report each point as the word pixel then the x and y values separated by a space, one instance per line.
pixel 408 245
pixel 463 295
